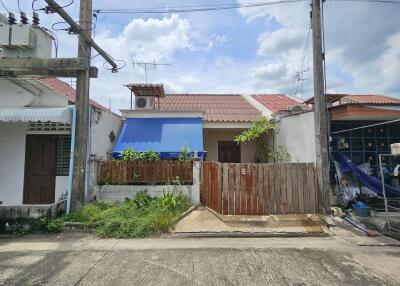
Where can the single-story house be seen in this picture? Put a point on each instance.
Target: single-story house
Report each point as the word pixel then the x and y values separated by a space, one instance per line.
pixel 212 121
pixel 296 131
pixel 36 119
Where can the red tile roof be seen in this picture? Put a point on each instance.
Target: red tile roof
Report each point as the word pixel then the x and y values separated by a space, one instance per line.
pixel 216 107
pixel 372 99
pixel 275 102
pixel 63 88
pixel 358 99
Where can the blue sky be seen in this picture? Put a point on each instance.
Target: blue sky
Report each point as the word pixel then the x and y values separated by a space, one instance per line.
pixel 255 50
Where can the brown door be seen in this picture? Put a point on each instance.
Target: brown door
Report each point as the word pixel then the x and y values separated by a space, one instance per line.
pixel 40 169
pixel 228 152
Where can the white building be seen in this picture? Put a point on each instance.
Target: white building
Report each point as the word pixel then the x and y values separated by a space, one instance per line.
pixel 35 139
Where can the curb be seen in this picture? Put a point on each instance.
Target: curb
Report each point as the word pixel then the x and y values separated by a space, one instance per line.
pixel 248 234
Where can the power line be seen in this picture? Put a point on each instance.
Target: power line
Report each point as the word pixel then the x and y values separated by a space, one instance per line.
pixel 369 1
pixel 366 126
pixel 19 7
pixel 197 8
pixel 301 64
pixel 1 1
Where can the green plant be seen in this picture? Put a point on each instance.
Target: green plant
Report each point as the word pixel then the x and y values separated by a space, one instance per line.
pixel 185 153
pixel 264 151
pixel 257 129
pixel 278 155
pixel 17 229
pixel 141 201
pixel 131 155
pixel 138 217
pixel 150 156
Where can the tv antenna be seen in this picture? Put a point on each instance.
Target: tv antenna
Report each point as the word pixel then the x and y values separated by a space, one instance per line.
pixel 146 64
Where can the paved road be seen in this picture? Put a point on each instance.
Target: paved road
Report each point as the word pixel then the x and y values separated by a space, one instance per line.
pixel 84 260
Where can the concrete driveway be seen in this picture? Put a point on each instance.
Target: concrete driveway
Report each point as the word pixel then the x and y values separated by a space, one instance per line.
pixel 81 259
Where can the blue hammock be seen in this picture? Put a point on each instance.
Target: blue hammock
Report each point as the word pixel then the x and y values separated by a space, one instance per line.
pixel 372 183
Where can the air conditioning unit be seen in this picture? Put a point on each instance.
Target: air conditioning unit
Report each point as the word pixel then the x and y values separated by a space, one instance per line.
pixel 299 107
pixel 144 102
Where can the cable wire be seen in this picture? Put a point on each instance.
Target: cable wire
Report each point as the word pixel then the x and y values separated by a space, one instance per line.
pixel 19 7
pixel 366 126
pixel 369 1
pixel 1 1
pixel 197 8
pixel 293 90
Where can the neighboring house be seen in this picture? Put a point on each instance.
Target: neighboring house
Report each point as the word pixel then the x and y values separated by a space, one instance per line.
pixel 35 139
pixel 296 128
pixel 224 117
pixel 220 118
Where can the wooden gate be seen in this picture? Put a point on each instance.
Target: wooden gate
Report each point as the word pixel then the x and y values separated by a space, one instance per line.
pixel 259 189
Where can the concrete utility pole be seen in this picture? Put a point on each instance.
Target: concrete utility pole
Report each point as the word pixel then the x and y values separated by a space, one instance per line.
pixel 82 110
pixel 320 113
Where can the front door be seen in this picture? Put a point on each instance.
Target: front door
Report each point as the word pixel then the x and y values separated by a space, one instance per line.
pixel 40 169
pixel 228 152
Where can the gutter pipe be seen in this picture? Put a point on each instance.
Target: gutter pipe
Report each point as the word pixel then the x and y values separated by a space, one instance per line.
pixel 88 148
pixel 71 157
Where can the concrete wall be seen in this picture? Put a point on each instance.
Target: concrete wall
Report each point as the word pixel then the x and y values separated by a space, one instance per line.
pixel 118 193
pixel 296 134
pixel 103 123
pixel 12 162
pixel 212 136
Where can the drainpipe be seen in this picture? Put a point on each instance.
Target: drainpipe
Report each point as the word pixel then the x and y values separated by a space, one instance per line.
pixel 71 157
pixel 89 145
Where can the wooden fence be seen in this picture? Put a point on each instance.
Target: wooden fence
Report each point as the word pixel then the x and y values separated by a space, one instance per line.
pixel 259 189
pixel 140 172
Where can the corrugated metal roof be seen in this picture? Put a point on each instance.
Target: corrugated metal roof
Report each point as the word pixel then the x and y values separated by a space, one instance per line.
pixel 61 115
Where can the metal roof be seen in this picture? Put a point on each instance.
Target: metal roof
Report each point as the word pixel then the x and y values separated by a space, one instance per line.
pixel 30 114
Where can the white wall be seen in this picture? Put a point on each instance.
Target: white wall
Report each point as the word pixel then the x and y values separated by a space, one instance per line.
pixel 296 134
pixel 103 123
pixel 61 188
pixel 13 95
pixel 12 162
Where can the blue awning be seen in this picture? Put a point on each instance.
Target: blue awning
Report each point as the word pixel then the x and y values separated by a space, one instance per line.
pixel 163 135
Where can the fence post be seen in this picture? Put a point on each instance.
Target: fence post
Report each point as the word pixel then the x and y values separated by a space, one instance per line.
pixel 195 194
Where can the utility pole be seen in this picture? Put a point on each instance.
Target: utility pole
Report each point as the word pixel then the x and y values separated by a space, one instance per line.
pixel 82 110
pixel 320 112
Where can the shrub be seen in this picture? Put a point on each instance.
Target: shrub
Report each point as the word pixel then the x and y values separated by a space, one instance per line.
pixel 130 155
pixel 138 217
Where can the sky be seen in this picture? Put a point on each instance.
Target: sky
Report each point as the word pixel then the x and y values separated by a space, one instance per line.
pixel 251 50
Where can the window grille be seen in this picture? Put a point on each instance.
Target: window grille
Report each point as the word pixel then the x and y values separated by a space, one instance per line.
pixel 63 154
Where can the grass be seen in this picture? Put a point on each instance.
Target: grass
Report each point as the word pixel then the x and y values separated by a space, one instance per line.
pixel 141 216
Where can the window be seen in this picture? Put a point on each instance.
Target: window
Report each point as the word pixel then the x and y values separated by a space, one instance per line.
pixel 63 154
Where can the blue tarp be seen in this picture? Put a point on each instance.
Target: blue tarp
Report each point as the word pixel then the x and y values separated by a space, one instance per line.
pixel 372 183
pixel 163 135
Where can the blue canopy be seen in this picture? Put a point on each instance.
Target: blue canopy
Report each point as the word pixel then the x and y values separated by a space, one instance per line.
pixel 164 135
pixel 372 183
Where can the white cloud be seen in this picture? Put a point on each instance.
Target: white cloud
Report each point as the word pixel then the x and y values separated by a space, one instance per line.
pixel 151 39
pixel 362 41
pixel 280 42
